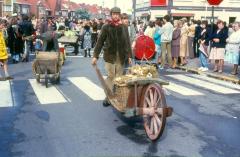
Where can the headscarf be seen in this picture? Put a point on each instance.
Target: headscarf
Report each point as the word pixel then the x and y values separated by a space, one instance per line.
pixel 114 23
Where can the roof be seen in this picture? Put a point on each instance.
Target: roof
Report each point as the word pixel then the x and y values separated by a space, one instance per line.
pixel 74 6
pixel 68 5
pixel 25 2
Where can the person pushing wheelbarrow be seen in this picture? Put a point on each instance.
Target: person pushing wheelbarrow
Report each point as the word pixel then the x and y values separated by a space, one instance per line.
pixel 115 42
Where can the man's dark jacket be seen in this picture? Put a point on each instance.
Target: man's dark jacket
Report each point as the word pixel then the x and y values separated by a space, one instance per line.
pixel 113 39
pixel 27 28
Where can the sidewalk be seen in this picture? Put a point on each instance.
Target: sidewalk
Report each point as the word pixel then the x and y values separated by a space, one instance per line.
pixel 193 65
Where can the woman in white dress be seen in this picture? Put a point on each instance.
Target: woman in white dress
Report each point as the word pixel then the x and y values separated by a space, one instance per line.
pixel 232 48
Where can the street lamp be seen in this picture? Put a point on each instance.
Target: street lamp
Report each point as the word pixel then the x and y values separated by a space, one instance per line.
pixel 134 9
pixel 170 4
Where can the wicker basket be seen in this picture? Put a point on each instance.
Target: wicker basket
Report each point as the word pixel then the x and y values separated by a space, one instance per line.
pixel 122 93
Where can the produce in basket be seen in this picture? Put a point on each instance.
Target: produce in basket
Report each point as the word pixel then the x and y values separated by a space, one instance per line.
pixel 69 33
pixel 138 71
pixel 144 71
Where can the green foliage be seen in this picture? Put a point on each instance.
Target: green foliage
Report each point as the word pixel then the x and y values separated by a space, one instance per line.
pixel 83 14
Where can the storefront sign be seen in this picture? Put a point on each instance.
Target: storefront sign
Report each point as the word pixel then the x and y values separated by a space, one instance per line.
pixel 214 2
pixel 157 3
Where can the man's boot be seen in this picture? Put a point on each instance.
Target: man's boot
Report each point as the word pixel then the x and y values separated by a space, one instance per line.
pixel 85 53
pixel 106 103
pixel 89 54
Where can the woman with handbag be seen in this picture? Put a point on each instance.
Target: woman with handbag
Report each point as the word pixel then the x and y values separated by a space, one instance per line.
pixel 218 46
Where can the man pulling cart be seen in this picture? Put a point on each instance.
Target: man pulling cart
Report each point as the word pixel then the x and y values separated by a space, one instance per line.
pixel 139 92
pixel 114 40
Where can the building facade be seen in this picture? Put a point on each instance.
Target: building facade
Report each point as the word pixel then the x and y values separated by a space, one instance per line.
pixel 42 8
pixel 228 10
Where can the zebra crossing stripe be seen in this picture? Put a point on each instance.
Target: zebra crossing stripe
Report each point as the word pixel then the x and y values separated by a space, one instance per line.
pixel 211 86
pixel 88 87
pixel 220 82
pixel 182 90
pixel 6 99
pixel 50 95
pixel 75 56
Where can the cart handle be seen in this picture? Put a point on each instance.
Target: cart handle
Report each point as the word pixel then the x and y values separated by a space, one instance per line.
pixel 107 91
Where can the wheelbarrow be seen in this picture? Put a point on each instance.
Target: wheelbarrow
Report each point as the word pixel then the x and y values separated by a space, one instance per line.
pixel 141 97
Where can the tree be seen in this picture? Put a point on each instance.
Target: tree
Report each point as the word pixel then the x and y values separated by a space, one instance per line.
pixel 83 14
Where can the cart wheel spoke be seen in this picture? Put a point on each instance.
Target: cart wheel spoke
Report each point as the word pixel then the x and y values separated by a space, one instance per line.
pixel 157 102
pixel 148 102
pixel 155 126
pixel 147 127
pixel 157 120
pixel 151 125
pixel 155 97
pixel 151 97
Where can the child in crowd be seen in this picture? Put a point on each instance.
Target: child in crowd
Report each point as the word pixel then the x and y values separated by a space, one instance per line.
pixel 3 55
pixel 38 42
pixel 204 43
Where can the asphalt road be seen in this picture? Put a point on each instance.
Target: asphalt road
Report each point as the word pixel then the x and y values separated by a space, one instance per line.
pixel 69 120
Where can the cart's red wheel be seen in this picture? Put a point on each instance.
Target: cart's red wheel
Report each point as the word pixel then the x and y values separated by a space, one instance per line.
pixel 153 98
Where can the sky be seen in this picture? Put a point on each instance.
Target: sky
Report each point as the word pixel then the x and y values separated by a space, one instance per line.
pixel 125 5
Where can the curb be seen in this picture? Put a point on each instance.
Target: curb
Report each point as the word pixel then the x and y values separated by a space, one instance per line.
pixel 223 77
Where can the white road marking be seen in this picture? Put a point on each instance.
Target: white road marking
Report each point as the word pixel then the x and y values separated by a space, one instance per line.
pixel 78 56
pixel 48 95
pixel 223 83
pixel 5 94
pixel 75 56
pixel 182 90
pixel 88 87
pixel 204 84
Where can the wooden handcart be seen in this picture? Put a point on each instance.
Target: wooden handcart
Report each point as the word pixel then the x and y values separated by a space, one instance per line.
pixel 47 66
pixel 69 41
pixel 141 97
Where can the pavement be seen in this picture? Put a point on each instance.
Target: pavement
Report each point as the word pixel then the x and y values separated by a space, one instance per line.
pixel 68 120
pixel 194 64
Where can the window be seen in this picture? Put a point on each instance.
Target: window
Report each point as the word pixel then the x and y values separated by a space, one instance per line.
pixel 25 10
pixel 7 8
